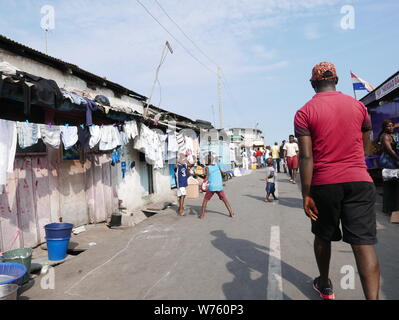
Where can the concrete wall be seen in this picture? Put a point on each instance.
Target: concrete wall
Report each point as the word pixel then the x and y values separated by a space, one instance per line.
pixel 133 189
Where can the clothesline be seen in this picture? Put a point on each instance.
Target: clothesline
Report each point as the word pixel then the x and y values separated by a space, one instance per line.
pixel 157 147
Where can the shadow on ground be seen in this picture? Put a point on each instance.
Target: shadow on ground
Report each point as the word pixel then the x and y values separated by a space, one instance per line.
pixel 196 210
pixel 249 266
pixel 287 202
pixel 291 202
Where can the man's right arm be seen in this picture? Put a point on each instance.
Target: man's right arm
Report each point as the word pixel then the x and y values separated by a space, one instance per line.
pixel 306 172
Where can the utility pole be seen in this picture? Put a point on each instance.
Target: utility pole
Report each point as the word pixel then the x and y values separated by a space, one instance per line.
pixel 213 116
pixel 46 35
pixel 219 75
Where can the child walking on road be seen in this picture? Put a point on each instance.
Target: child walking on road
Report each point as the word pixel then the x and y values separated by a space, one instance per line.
pixel 270 181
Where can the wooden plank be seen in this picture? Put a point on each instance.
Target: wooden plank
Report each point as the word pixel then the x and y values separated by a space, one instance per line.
pixel 106 170
pixel 53 176
pixel 100 213
pixel 72 191
pixel 114 180
pixel 25 202
pixel 42 194
pixel 89 179
pixel 9 215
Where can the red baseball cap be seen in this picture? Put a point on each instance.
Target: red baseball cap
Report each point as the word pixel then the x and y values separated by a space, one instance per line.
pixel 324 71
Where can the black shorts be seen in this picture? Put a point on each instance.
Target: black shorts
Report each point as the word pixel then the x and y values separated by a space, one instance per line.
pixel 350 203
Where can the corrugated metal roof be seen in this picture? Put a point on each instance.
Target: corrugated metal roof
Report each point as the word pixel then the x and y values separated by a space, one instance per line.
pixel 33 54
pixel 371 97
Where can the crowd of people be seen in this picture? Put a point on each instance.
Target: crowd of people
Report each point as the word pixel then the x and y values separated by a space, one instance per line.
pixel 336 186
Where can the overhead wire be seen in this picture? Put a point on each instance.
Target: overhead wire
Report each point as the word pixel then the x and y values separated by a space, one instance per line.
pixel 177 40
pixel 224 79
pixel 185 34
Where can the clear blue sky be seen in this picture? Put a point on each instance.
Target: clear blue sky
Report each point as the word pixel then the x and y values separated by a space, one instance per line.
pixel 265 48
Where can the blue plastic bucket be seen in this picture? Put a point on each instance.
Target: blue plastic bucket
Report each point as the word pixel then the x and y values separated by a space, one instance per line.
pixel 57 248
pixel 11 272
pixel 58 230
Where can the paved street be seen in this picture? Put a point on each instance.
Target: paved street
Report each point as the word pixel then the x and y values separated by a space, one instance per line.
pixel 266 251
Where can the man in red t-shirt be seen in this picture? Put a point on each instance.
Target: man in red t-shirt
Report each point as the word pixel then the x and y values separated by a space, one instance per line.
pixel 333 129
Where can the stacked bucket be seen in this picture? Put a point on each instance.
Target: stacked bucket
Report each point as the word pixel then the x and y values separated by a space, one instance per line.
pixel 57 237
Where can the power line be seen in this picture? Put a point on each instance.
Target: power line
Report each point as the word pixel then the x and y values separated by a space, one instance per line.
pixel 182 31
pixel 185 34
pixel 188 51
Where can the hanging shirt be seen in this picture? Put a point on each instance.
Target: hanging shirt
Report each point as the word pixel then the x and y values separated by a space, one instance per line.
pixel 124 138
pixel 152 147
pixel 84 137
pixel 110 138
pixel 142 140
pixel 8 146
pixel 28 134
pixel 69 135
pixel 182 176
pixel 131 129
pixel 181 143
pixel 51 135
pixel 172 142
pixel 95 135
pixel 90 107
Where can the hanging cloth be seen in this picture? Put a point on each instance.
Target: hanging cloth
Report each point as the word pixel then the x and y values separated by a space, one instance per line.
pixel 51 135
pixel 28 134
pixel 69 135
pixel 8 146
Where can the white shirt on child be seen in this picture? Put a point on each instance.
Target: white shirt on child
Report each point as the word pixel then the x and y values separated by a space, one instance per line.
pixel 270 171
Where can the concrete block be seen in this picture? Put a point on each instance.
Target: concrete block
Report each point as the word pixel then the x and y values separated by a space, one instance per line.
pixel 395 217
pixel 138 216
pixel 127 220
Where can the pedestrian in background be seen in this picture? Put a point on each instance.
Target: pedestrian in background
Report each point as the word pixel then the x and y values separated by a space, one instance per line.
pixel 333 130
pixel 389 159
pixel 291 151
pixel 275 150
pixel 244 156
pixel 270 181
pixel 259 155
pixel 282 160
pixel 215 180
